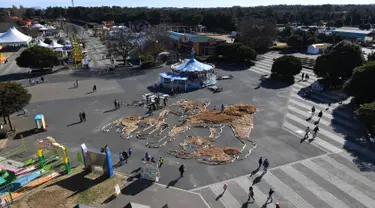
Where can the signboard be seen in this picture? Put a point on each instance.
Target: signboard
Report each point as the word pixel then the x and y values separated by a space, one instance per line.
pixel 117 190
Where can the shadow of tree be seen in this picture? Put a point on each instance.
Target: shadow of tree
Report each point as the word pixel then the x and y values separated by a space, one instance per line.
pixel 119 73
pixel 344 122
pixel 362 161
pixel 273 83
pixel 317 98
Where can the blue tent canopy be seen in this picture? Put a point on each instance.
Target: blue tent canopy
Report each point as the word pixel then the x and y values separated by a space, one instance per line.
pixel 170 75
pixel 38 117
pixel 192 66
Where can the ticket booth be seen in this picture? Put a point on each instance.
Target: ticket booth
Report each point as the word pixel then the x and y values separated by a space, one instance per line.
pixel 40 122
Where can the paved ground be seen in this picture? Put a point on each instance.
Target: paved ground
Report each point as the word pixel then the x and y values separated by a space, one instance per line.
pixel 303 174
pixel 335 179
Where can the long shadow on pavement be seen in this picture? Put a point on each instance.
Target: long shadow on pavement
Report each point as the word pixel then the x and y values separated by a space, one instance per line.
pixel 272 83
pixel 136 187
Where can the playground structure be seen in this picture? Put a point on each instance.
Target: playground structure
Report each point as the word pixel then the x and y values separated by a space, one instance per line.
pixel 93 160
pixel 17 178
pixel 40 122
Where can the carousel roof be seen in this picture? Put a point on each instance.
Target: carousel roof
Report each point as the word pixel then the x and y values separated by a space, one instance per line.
pixel 192 65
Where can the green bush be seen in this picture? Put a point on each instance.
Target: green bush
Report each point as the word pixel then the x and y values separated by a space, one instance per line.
pixel 361 83
pixel 295 41
pixel 366 113
pixel 286 67
pixel 150 64
pixel 38 57
pixel 235 52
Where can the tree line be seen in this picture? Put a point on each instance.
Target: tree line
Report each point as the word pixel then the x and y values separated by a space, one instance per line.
pixel 215 19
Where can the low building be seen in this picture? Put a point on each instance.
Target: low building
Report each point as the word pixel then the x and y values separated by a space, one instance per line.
pixel 203 45
pixel 353 33
pixel 315 49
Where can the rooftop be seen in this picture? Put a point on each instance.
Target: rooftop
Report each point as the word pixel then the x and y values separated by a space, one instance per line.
pixel 352 30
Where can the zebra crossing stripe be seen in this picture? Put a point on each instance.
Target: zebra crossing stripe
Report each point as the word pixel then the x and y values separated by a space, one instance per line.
pixel 348 172
pixel 323 121
pixel 321 106
pixel 321 144
pixel 245 183
pixel 325 96
pixel 284 190
pixel 313 187
pixel 227 199
pixel 321 130
pixel 328 113
pixel 345 187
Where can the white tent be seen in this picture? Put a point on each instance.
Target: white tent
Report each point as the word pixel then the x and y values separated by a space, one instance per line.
pixel 14 37
pixel 312 50
pixel 55 45
pixel 41 43
pixel 316 48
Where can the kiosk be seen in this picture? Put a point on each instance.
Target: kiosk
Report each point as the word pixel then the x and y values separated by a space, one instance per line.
pixel 40 122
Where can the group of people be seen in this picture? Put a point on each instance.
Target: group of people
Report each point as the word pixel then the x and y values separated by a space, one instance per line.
pixel 153 105
pixel 149 158
pixel 305 77
pixel 125 155
pixel 222 107
pixel 82 116
pixel 316 129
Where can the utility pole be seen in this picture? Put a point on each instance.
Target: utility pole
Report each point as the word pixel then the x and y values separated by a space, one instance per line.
pixel 73 3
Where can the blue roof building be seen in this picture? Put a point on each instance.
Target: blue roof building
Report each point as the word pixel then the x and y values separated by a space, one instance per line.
pixel 352 33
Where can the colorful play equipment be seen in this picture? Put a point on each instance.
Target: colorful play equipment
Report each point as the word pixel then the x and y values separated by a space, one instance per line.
pixel 6 176
pixel 40 122
pixel 50 143
pixel 92 159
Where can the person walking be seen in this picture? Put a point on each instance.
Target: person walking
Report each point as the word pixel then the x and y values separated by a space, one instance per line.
pixel 147 156
pixel 225 187
pixel 251 194
pixel 120 157
pixel 182 170
pixel 115 103
pixel 313 111
pixel 94 88
pixel 265 165
pixel 130 152
pixel 307 77
pixel 42 79
pixel 83 116
pixel 270 193
pixel 320 114
pixel 260 161
pixel 316 129
pixel 80 117
pixel 222 107
pixel 303 76
pixel 77 82
pixel 307 133
pixel 329 105
pixel 161 160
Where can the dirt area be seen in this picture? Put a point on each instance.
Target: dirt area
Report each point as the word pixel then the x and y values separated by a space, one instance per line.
pixel 69 190
pixel 193 114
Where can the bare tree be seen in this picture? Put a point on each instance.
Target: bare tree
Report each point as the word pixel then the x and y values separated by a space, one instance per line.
pixel 125 42
pixel 259 34
pixel 157 42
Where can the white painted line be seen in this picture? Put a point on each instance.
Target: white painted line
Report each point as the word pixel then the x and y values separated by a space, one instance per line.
pixel 313 187
pixel 345 187
pixel 285 191
pixel 227 199
pixel 317 142
pixel 350 172
pixel 324 122
pixel 245 184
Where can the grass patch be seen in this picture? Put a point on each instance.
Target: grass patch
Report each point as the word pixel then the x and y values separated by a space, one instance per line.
pixel 69 190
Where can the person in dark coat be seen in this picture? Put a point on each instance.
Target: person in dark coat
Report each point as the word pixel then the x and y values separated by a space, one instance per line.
pixel 182 170
pixel 84 116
